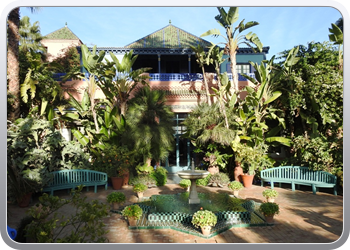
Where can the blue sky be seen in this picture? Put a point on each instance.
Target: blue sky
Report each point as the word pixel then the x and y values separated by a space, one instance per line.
pixel 280 28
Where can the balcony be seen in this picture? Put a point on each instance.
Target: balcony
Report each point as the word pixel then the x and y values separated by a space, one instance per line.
pixel 188 77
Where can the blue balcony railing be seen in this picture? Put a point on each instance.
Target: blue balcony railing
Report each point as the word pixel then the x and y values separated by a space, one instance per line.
pixel 169 76
pixel 188 77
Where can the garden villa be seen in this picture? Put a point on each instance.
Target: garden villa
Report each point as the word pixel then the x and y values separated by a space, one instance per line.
pixel 174 70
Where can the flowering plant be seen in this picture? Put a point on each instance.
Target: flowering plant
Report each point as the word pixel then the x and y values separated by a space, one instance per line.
pixel 132 211
pixel 204 218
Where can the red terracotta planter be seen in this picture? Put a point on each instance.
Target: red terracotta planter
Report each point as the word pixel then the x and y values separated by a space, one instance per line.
pixel 247 180
pixel 117 182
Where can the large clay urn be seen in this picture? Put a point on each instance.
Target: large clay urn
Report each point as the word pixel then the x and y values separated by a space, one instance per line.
pixel 238 172
pixel 213 169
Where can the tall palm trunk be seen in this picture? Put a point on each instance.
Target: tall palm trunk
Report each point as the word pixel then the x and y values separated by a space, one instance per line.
pixel 13 62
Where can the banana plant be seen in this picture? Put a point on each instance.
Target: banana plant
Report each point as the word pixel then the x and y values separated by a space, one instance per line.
pixel 255 109
pixel 336 36
pixel 233 36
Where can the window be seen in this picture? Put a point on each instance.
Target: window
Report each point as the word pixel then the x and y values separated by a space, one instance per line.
pixel 241 68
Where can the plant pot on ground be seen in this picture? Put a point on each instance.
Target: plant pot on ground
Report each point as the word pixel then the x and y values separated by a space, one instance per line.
pixel 204 219
pixel 139 188
pixel 269 210
pixel 115 199
pixel 132 213
pixel 235 186
pixel 270 194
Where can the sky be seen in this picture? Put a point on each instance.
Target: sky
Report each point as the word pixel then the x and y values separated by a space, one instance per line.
pixel 280 28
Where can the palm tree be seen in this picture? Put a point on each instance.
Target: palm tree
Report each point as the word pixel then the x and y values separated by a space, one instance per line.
pixel 150 124
pixel 13 61
pixel 125 80
pixel 30 37
pixel 233 40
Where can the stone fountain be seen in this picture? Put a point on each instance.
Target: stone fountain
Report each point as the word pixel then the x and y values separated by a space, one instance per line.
pixel 193 175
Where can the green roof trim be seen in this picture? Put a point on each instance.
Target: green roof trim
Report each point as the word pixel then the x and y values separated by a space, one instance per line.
pixel 64 33
pixel 169 37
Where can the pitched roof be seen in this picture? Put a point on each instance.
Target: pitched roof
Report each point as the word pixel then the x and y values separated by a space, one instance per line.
pixel 64 33
pixel 170 37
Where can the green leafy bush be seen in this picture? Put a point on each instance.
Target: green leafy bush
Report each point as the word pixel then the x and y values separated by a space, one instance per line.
pixel 139 187
pixel 235 185
pixel 204 181
pixel 49 222
pixel 184 183
pixel 117 197
pixel 219 179
pixel 144 179
pixel 269 208
pixel 160 176
pixel 270 193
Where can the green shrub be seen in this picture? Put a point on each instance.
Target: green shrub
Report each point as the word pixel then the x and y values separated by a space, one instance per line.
pixel 144 179
pixel 160 176
pixel 219 179
pixel 269 208
pixel 116 197
pixel 139 187
pixel 204 218
pixel 204 181
pixel 184 183
pixel 235 185
pixel 270 193
pixel 132 211
pixel 48 222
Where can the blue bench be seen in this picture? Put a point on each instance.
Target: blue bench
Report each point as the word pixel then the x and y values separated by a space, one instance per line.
pixel 70 179
pixel 300 176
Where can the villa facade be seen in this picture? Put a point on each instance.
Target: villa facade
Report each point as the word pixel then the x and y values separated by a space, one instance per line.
pixel 174 70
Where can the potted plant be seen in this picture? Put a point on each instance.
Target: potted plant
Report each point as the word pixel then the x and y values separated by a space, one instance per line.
pixel 186 184
pixel 204 219
pixel 250 158
pixel 139 188
pixel 235 186
pixel 269 209
pixel 270 194
pixel 116 198
pixel 132 213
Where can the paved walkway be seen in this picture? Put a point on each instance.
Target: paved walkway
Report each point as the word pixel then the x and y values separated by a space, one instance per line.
pixel 303 218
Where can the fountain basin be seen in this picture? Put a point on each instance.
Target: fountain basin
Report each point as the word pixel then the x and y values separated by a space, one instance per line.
pixel 193 174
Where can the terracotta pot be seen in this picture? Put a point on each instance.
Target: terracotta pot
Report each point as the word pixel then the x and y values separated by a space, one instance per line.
pixel 126 179
pixel 270 199
pixel 238 172
pixel 269 219
pixel 117 182
pixel 24 202
pixel 132 221
pixel 247 180
pixel 115 206
pixel 206 230
pixel 213 170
